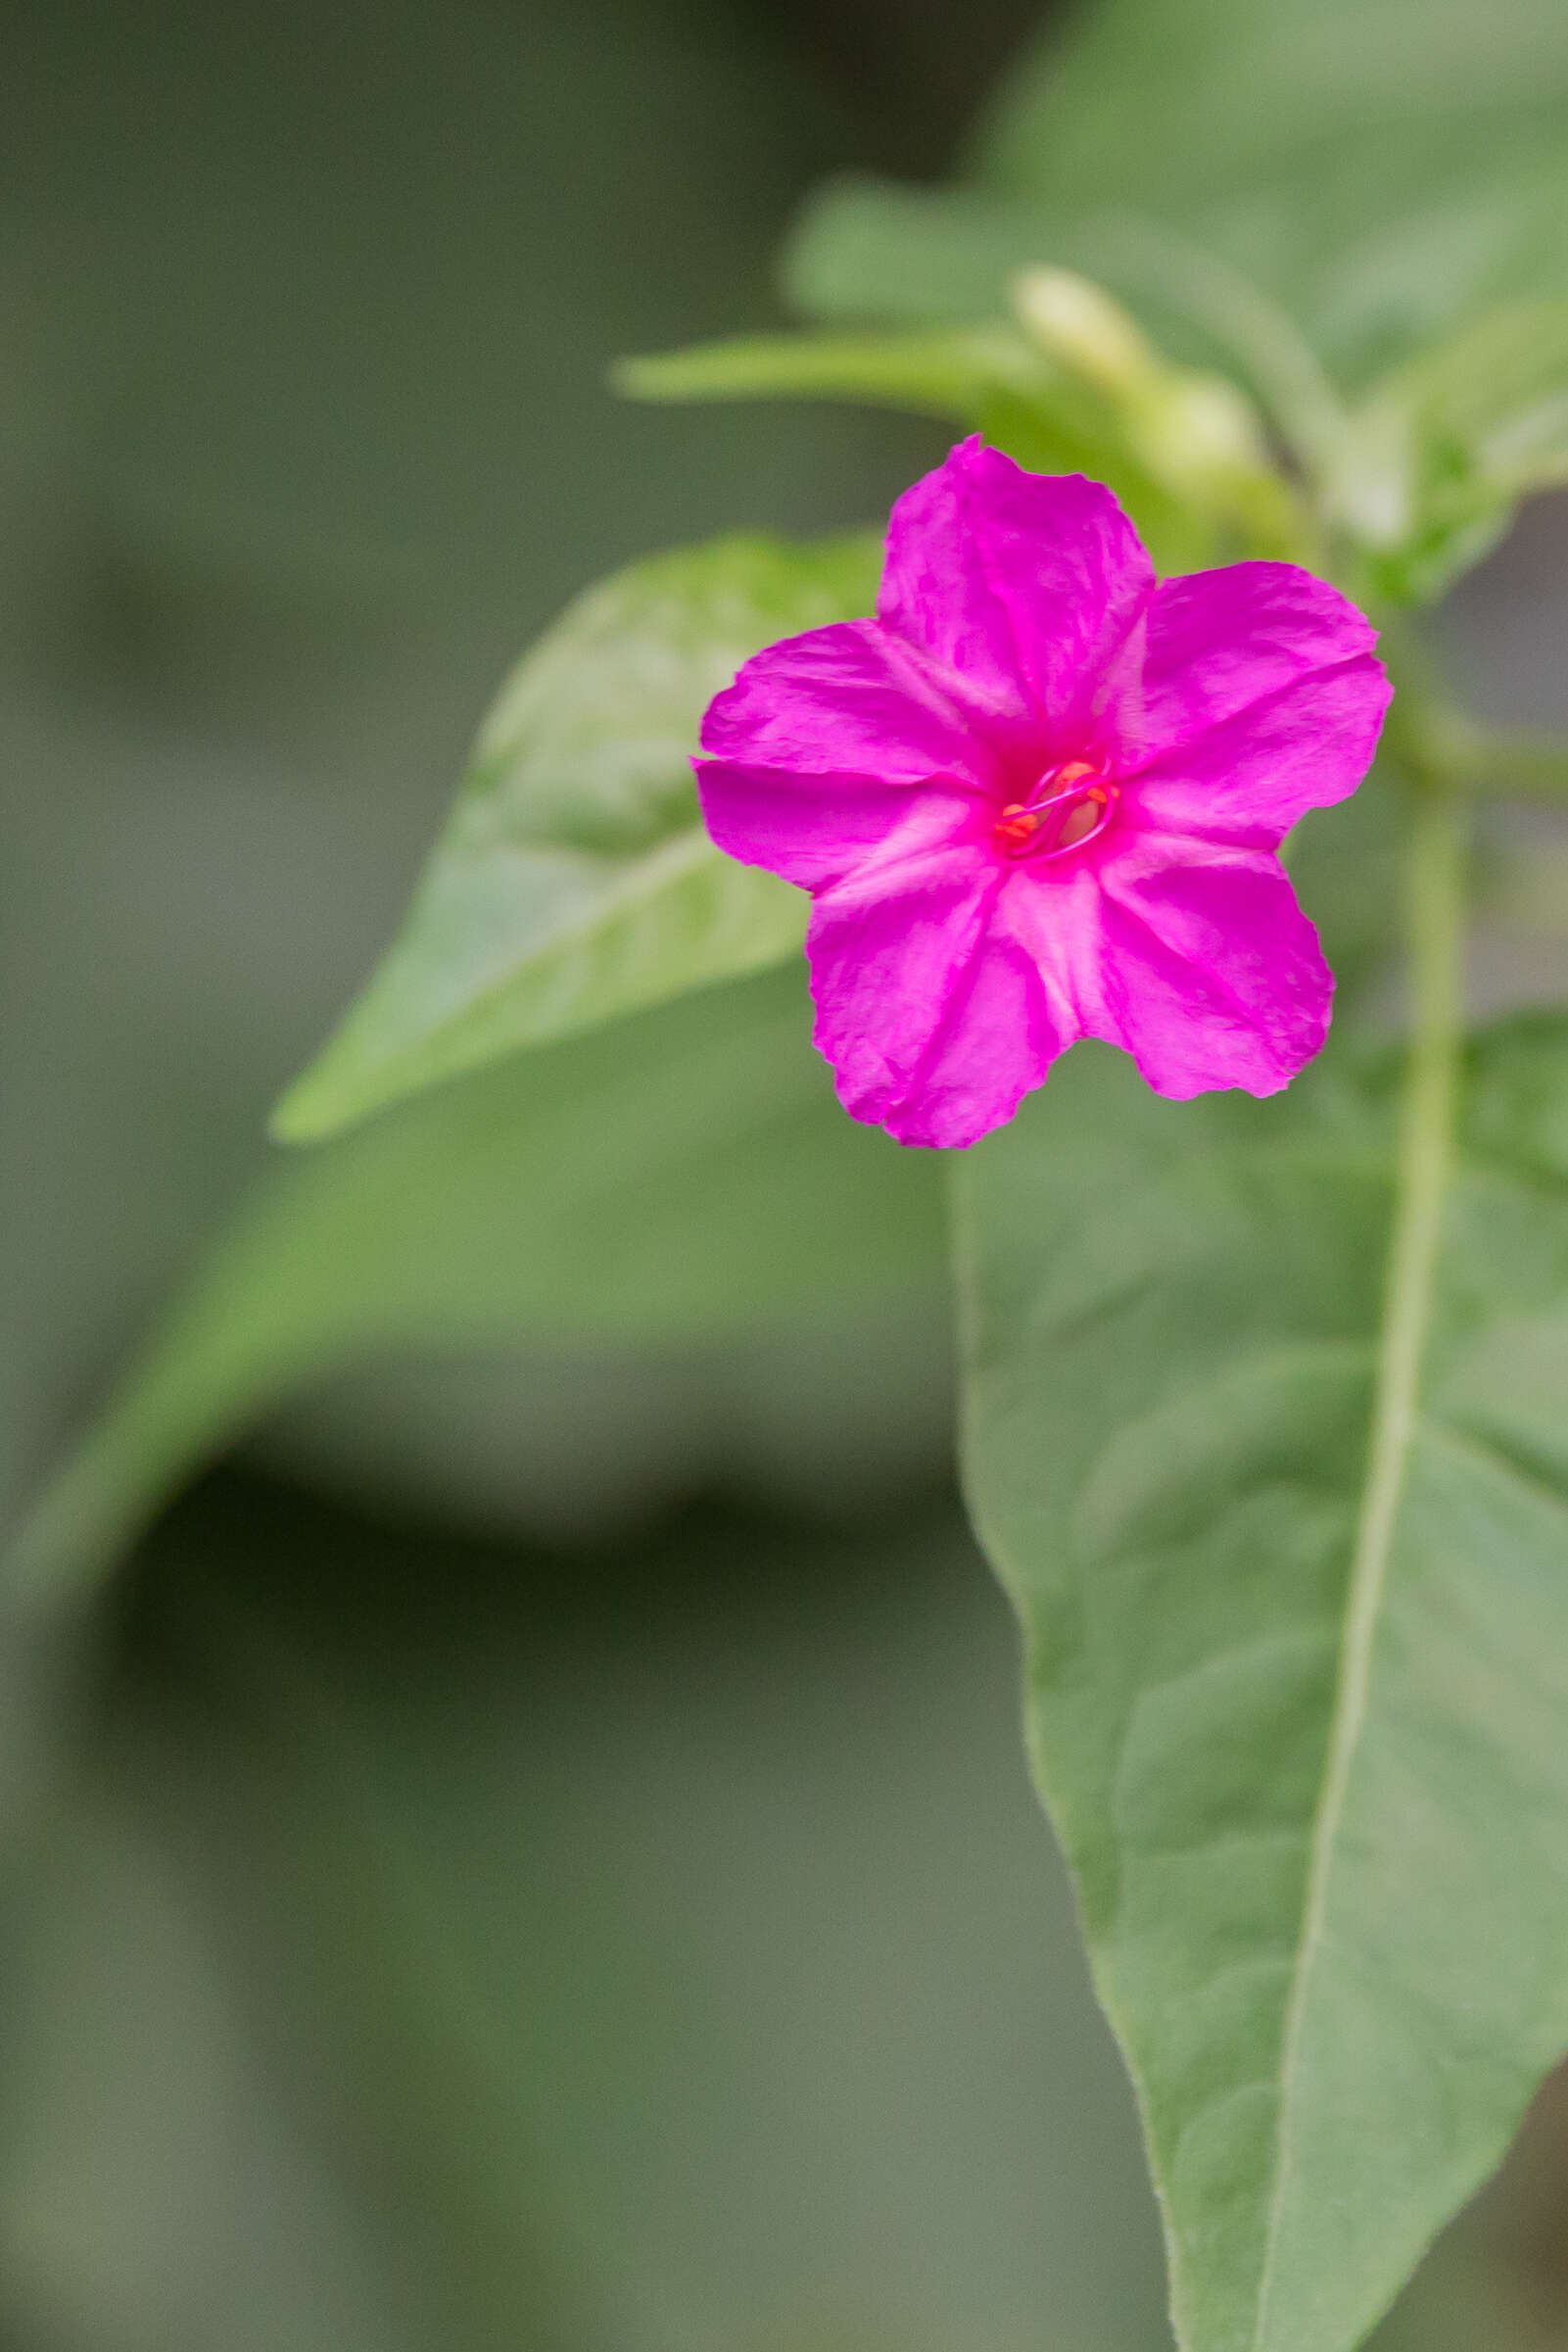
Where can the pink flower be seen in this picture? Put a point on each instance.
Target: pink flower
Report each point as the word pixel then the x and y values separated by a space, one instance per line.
pixel 1039 797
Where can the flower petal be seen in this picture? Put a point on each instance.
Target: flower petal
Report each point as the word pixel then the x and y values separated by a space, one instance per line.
pixel 1029 584
pixel 813 829
pixel 934 1028
pixel 853 700
pixel 997 1043
pixel 1207 973
pixel 1262 698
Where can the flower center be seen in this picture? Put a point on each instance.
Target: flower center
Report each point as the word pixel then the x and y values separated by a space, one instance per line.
pixel 1069 806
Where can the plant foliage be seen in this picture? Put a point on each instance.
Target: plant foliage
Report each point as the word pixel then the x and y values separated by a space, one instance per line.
pixel 1264 1401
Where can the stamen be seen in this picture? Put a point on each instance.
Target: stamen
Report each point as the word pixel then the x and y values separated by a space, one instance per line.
pixel 1067 811
pixel 1017 826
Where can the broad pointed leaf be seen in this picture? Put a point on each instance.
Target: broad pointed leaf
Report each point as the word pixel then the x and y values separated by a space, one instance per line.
pixel 1336 1990
pixel 575 881
pixel 666 1182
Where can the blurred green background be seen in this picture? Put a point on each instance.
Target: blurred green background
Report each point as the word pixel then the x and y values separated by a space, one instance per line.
pixel 538 1852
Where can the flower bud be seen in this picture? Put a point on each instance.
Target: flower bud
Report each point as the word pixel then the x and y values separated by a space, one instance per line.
pixel 1083 329
pixel 1193 433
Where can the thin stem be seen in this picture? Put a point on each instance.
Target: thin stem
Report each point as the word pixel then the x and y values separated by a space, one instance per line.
pixel 1529 767
pixel 1443 744
pixel 1435 933
pixel 1440 746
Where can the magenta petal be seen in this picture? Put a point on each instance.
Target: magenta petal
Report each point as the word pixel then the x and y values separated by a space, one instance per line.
pixel 813 829
pixel 1253 777
pixel 849 700
pixel 1218 641
pixel 1031 586
pixel 933 1031
pixel 997 1041
pixel 1262 698
pixel 1220 975
pixel 1208 974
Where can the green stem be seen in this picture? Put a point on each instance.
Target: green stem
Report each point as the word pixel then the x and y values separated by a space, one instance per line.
pixel 1439 745
pixel 1525 766
pixel 1445 747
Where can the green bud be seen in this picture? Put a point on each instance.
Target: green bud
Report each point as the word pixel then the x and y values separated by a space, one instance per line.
pixel 1083 329
pixel 1196 434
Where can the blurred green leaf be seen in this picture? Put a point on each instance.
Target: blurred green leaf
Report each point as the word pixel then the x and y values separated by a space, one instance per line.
pixel 1381 168
pixel 669 1180
pixel 1450 442
pixel 1498 391
pixel 994 379
pixel 549 1916
pixel 575 881
pixel 863 249
pixel 867 249
pixel 1172 1314
pixel 947 376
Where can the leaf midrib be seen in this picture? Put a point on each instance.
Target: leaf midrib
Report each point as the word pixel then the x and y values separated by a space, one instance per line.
pixel 1425 1163
pixel 651 871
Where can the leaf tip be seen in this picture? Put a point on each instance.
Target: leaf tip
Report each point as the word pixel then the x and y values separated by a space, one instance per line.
pixel 309 1109
pixel 643 376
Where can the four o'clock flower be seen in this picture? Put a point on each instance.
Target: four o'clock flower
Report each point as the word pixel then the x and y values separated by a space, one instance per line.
pixel 1039 797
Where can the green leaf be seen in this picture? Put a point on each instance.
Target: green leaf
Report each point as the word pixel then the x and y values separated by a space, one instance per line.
pixel 522 1870
pixel 1379 168
pixel 945 375
pixel 1318 1819
pixel 1451 441
pixel 1382 166
pixel 992 379
pixel 1495 394
pixel 673 1180
pixel 867 250
pixel 575 881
